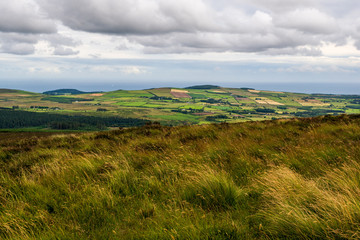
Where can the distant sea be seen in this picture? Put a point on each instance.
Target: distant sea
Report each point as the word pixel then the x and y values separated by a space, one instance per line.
pixel 327 88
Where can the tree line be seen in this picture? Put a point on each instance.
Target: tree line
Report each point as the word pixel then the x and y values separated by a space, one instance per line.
pixel 20 119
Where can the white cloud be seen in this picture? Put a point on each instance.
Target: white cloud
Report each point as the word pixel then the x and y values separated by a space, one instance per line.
pixel 133 70
pixel 64 51
pixel 128 70
pixel 308 20
pixel 313 69
pixel 48 69
pixel 281 5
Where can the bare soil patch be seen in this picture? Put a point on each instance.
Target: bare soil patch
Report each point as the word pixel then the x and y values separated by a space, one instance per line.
pixel 180 93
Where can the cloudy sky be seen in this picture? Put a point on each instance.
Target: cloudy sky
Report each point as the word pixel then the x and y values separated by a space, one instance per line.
pixel 129 44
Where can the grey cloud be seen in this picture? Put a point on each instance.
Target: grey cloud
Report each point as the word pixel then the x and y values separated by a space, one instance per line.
pixel 23 25
pixel 343 8
pixel 22 16
pixel 62 44
pixel 132 17
pixel 16 43
pixel 220 42
pixel 18 48
pixel 24 44
pixel 172 26
pixel 18 37
pixel 169 26
pixel 58 40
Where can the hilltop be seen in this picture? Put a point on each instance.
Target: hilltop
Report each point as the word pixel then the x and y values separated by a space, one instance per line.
pixel 201 104
pixel 66 92
pixel 203 87
pixel 276 179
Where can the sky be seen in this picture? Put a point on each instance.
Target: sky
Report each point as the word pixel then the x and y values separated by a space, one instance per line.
pixel 136 44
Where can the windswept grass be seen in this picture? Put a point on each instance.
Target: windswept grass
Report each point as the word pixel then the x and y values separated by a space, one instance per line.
pixel 284 179
pixel 213 191
pixel 325 208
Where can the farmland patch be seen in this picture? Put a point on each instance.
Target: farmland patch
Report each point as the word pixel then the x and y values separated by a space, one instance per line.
pixel 180 93
pixel 263 100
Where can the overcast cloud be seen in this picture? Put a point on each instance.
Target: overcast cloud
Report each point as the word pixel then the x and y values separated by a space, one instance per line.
pixel 317 30
pixel 171 26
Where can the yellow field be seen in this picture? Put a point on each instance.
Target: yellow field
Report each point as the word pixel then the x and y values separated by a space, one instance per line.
pixel 179 91
pixel 253 91
pixel 268 101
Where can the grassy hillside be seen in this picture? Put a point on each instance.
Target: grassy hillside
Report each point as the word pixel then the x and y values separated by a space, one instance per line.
pixel 284 179
pixel 193 105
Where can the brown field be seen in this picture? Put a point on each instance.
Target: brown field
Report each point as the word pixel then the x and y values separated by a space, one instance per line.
pixel 240 92
pixel 180 93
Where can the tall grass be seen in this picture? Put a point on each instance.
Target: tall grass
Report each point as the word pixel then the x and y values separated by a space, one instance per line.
pixel 285 179
pixel 327 208
pixel 213 191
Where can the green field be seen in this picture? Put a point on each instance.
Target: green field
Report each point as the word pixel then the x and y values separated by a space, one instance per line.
pixel 149 104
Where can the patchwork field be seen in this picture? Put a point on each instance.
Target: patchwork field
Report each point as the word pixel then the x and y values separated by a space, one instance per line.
pixel 175 106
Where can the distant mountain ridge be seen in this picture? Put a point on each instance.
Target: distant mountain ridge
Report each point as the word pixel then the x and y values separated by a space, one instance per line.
pixel 66 92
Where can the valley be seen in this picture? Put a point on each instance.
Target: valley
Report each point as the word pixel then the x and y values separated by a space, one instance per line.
pixel 174 106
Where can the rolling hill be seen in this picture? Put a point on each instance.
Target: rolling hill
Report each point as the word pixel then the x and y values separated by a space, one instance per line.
pixel 66 92
pixel 276 179
pixel 178 106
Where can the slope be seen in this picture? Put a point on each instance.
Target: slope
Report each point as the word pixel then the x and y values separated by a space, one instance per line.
pixel 286 179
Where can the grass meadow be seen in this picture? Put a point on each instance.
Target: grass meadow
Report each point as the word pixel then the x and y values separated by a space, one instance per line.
pixel 279 179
